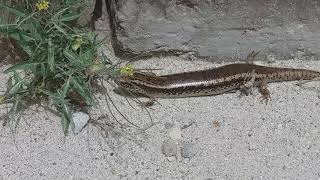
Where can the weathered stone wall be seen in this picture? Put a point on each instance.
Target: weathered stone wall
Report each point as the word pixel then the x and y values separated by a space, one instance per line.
pixel 216 29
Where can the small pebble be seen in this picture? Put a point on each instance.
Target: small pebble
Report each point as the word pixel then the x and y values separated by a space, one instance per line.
pixel 169 148
pixel 80 120
pixel 187 150
pixel 172 158
pixel 175 133
pixel 168 125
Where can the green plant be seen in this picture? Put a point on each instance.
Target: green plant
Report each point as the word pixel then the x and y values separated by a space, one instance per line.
pixel 61 59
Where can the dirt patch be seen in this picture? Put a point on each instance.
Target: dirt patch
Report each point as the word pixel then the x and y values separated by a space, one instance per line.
pixel 10 52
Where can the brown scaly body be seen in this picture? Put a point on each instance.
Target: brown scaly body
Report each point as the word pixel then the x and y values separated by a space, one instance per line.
pixel 212 81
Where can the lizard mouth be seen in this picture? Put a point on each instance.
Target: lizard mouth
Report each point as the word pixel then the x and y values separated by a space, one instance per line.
pixel 121 86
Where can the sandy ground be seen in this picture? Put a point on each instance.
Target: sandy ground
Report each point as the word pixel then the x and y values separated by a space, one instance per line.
pixel 231 137
pixel 227 137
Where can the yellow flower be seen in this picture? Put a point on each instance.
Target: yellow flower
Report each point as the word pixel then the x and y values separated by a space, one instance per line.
pixel 2 98
pixel 127 70
pixel 77 42
pixel 42 5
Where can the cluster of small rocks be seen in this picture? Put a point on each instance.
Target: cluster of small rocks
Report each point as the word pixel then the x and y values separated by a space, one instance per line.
pixel 175 148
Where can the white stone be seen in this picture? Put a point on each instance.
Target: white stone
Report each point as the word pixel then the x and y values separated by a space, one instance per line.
pixel 80 120
pixel 175 133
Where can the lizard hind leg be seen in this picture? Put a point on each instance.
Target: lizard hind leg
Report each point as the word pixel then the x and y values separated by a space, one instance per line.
pixel 263 89
pixel 301 82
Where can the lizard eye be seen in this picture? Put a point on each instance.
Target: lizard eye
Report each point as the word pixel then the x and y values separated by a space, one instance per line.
pixel 127 85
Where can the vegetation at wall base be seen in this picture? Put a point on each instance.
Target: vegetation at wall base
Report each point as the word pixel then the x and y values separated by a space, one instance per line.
pixel 61 58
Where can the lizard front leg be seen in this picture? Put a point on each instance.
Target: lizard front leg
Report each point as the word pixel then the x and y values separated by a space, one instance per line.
pixel 149 103
pixel 249 83
pixel 263 89
pixel 251 57
pixel 301 82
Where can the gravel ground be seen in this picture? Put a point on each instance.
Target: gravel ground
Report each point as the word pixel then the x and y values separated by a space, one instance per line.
pixel 217 137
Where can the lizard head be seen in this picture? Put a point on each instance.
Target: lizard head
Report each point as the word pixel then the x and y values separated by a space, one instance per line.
pixel 129 83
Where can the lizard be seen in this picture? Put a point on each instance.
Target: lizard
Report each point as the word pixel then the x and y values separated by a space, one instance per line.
pixel 214 81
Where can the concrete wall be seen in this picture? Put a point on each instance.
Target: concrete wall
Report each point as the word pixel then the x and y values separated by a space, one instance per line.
pixel 216 29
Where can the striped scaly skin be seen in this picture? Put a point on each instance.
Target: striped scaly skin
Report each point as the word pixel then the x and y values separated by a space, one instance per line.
pixel 212 81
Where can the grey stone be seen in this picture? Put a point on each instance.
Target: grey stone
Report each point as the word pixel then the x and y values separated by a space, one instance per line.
pixel 216 29
pixel 187 150
pixel 168 125
pixel 171 158
pixel 169 148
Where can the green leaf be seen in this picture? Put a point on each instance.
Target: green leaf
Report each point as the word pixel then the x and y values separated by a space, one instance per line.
pixel 26 37
pixel 19 34
pixel 43 70
pixel 87 57
pixel 57 14
pixel 22 66
pixel 3 21
pixel 77 42
pixel 12 10
pixel 66 88
pixel 50 55
pixel 63 108
pixel 58 76
pixel 23 40
pixel 66 117
pixel 59 28
pixel 82 89
pixel 53 96
pixel 71 2
pixel 9 83
pixel 13 119
pixel 18 83
pixel 35 28
pixel 69 17
pixel 26 48
pixel 71 56
pixel 15 107
pixel 25 19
